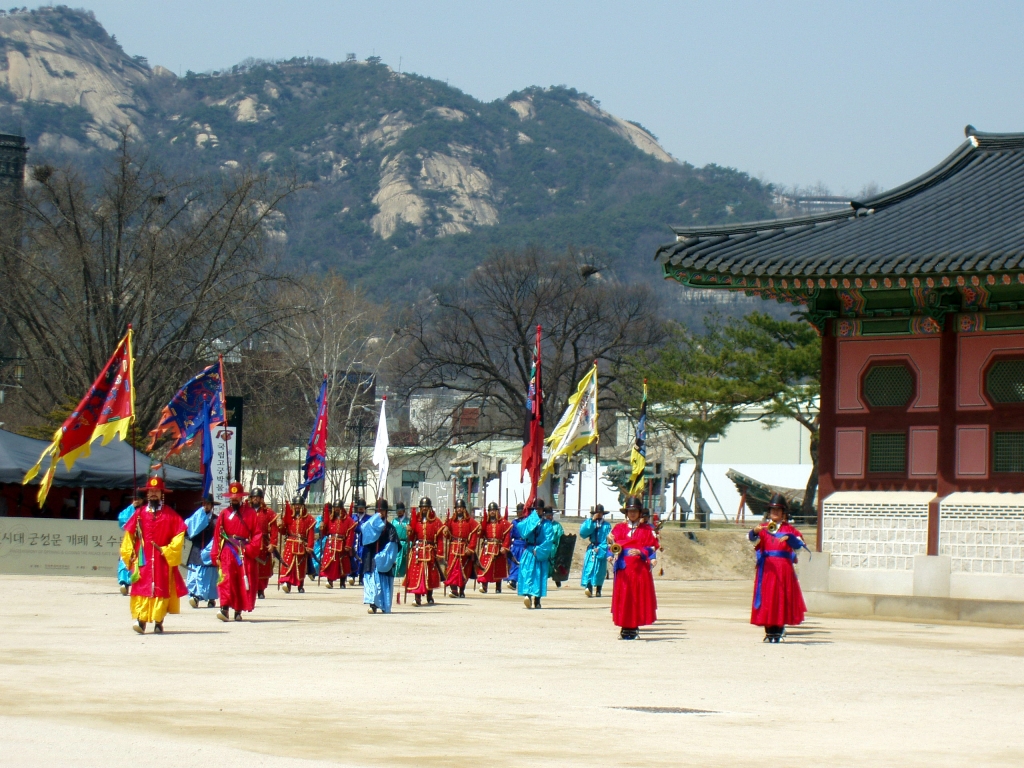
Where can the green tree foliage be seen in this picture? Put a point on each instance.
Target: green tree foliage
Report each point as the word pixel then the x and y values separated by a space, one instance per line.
pixel 788 361
pixel 699 383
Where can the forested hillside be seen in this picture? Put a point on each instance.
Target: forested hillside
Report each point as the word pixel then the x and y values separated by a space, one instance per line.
pixel 410 181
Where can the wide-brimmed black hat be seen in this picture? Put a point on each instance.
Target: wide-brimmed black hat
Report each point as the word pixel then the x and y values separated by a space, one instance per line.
pixel 778 500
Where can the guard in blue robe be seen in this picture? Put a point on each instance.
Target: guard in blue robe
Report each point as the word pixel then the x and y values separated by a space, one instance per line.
pixel 595 562
pixel 515 549
pixel 200 572
pixel 124 576
pixel 361 516
pixel 537 536
pixel 316 554
pixel 381 547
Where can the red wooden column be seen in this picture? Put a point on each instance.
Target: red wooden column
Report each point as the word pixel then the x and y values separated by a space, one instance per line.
pixel 827 421
pixel 946 482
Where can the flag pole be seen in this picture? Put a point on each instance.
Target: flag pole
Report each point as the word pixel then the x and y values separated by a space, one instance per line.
pixel 224 410
pixel 135 477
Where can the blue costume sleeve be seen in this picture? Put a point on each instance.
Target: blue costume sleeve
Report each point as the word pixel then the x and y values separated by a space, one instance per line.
pixel 384 561
pixel 372 529
pixel 206 553
pixel 752 535
pixel 587 528
pixel 197 523
pixel 528 525
pixel 125 515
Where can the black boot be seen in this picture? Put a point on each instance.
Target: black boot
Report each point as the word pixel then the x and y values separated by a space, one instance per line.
pixel 418 601
pixel 598 591
pixel 302 590
pixel 260 595
pixel 430 597
pixel 462 591
pixel 536 602
pixel 497 587
pixel 483 588
pixel 222 614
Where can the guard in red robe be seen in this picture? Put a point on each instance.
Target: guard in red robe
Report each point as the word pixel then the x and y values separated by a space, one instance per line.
pixel 633 547
pixel 426 544
pixel 495 542
pixel 778 600
pixel 154 537
pixel 237 541
pixel 267 519
pixel 461 533
pixel 338 531
pixel 297 529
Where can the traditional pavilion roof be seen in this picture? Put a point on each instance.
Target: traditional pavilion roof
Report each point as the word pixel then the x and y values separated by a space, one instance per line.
pixel 957 226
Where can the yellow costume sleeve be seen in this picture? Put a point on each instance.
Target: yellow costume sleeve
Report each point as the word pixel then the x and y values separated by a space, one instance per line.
pixel 172 552
pixel 127 549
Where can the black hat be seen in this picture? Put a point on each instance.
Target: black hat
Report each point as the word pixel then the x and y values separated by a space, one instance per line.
pixel 208 499
pixel 633 503
pixel 256 492
pixel 297 500
pixel 599 508
pixel 520 507
pixel 400 506
pixel 549 511
pixel 778 500
pixel 492 507
pixel 337 504
pixel 382 505
pixel 538 503
pixel 360 503
pixel 426 502
pixel 460 503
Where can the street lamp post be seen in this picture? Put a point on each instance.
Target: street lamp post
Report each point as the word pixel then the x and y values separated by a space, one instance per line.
pixel 360 426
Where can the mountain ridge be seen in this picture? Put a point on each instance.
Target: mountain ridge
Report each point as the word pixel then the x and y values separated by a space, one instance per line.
pixel 412 181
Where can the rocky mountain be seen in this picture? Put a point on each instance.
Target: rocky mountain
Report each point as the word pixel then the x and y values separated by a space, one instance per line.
pixel 411 180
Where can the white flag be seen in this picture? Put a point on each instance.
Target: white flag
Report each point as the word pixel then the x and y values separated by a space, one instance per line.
pixel 380 452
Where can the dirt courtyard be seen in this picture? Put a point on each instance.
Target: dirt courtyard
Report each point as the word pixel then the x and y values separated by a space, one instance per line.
pixel 313 680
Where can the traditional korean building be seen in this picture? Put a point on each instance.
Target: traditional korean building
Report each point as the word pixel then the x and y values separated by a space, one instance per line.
pixel 918 294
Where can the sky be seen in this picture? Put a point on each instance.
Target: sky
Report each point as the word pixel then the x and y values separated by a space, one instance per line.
pixel 846 94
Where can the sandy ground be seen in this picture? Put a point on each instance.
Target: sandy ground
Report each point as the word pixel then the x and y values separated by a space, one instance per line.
pixel 313 680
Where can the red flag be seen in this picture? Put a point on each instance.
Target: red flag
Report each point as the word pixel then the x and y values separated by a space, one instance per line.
pixel 533 427
pixel 106 411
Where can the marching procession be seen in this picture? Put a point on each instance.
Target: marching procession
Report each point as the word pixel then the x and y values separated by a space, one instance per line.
pixel 233 554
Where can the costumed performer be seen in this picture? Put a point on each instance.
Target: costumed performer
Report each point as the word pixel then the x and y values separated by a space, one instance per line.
pixel 515 551
pixel 153 541
pixel 237 541
pixel 297 529
pixel 200 572
pixel 595 561
pixel 460 533
pixel 267 520
pixel 423 574
pixel 338 534
pixel 495 540
pixel 381 547
pixel 633 545
pixel 778 600
pixel 401 523
pixel 536 556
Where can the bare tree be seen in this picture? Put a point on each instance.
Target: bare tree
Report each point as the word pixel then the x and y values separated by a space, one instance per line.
pixel 184 261
pixel 476 338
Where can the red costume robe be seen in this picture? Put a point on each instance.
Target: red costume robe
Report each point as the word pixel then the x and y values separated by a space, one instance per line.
pixel 423 573
pixel 496 539
pixel 339 538
pixel 634 603
pixel 237 541
pixel 460 549
pixel 298 531
pixel 152 544
pixel 777 597
pixel 267 521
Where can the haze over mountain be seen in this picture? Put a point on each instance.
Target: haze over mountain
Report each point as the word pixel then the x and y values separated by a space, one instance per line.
pixel 411 180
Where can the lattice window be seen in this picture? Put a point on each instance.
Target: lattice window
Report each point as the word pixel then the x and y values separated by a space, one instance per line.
pixel 1008 452
pixel 887 452
pixel 888 386
pixel 1005 381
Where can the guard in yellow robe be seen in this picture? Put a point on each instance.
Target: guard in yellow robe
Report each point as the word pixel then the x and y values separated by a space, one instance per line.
pixel 151 550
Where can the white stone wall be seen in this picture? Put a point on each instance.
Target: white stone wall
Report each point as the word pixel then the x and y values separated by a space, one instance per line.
pixel 879 531
pixel 983 533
